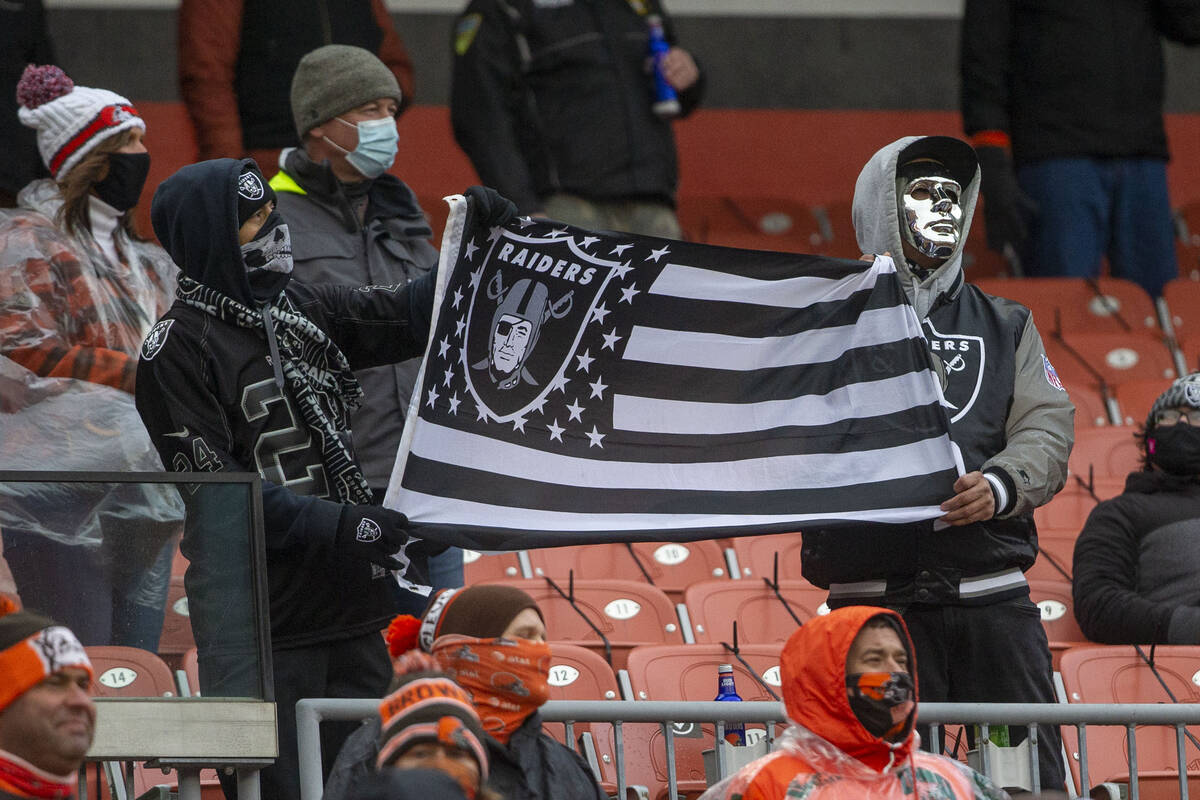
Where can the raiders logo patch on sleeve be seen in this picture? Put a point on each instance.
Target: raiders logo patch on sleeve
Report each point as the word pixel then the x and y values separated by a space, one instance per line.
pixel 156 338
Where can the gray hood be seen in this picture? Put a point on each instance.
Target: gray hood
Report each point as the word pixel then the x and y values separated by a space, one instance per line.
pixel 876 212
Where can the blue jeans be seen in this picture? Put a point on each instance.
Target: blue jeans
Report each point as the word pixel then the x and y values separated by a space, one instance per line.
pixel 1091 207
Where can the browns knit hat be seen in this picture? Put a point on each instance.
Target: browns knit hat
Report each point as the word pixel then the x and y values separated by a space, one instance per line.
pixel 426 705
pixel 482 611
pixel 70 120
pixel 32 648
pixel 335 78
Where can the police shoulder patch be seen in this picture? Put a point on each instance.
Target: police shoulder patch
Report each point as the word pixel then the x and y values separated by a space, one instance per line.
pixel 156 338
pixel 464 32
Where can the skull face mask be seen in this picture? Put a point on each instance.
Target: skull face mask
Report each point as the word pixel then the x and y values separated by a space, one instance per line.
pixel 931 215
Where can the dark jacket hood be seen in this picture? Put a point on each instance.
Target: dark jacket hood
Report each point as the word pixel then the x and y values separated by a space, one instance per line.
pixel 813 671
pixel 195 217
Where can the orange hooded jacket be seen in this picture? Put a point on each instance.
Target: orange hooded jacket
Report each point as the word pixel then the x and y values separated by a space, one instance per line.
pixel 828 754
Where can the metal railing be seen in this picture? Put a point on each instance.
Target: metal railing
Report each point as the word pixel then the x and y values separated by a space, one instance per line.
pixel 310 713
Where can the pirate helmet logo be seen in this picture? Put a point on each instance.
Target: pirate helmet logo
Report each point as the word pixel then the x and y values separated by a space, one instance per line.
pixel 250 186
pixel 521 311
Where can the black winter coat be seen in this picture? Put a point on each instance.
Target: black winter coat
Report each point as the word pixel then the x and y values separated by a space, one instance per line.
pixel 1137 564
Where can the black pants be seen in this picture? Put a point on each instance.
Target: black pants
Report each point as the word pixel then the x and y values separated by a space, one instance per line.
pixel 988 654
pixel 352 668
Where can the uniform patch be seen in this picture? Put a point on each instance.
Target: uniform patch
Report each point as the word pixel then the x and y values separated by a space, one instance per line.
pixel 250 186
pixel 368 531
pixel 1052 376
pixel 464 32
pixel 156 338
pixel 964 359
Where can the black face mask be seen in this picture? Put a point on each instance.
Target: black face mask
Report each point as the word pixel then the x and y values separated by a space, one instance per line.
pixel 1175 449
pixel 884 702
pixel 127 173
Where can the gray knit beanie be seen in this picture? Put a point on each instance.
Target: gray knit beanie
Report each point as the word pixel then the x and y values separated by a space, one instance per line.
pixel 335 78
pixel 1183 393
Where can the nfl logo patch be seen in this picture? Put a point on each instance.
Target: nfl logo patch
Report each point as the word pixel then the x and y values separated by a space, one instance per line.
pixel 1052 376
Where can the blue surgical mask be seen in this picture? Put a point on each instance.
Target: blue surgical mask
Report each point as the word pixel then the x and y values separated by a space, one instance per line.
pixel 378 141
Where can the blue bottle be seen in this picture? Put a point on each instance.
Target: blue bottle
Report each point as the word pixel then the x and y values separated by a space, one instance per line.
pixel 666 103
pixel 735 732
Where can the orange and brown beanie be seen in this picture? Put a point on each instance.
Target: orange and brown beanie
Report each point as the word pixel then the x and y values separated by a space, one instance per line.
pixel 32 648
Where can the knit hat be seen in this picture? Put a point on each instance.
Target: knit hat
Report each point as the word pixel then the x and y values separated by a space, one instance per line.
pixel 32 648
pixel 1183 393
pixel 335 78
pixel 70 120
pixel 482 611
pixel 253 192
pixel 427 706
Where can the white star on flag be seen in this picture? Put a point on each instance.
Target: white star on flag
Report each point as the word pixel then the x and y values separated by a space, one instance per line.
pixel 443 346
pixel 449 377
pixel 610 340
pixel 540 404
pixel 471 250
pixel 559 384
pixel 587 241
pixel 433 396
pixel 575 410
pixel 454 401
pixel 619 249
pixel 655 255
pixel 519 424
pixel 524 222
pixel 475 276
pixel 628 292
pixel 459 325
pixel 598 388
pixel 555 431
pixel 599 313
pixel 482 413
pixel 458 296
pixel 595 436
pixel 585 360
pixel 621 270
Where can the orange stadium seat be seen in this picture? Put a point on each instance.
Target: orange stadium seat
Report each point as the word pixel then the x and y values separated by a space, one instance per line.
pixel 756 555
pixel 483 567
pixel 1056 550
pixel 176 638
pixel 1069 508
pixel 130 672
pixel 1114 357
pixel 756 223
pixel 627 613
pixel 1182 297
pixel 689 673
pixel 1110 452
pixel 1117 674
pixel 1074 305
pixel 1054 600
pixel 836 226
pixel 1091 409
pixel 1190 348
pixel 671 566
pixel 1134 398
pixel 715 605
pixel 577 673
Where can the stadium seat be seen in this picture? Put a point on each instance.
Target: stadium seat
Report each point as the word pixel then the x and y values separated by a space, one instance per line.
pixel 1114 357
pixel 1054 600
pixel 1109 452
pixel 836 226
pixel 129 672
pixel 756 555
pixel 1182 297
pixel 577 673
pixel 1117 674
pixel 689 673
pixel 1091 408
pixel 1134 398
pixel 482 567
pixel 1073 305
pixel 1056 549
pixel 756 223
pixel 176 638
pixel 1069 508
pixel 1190 348
pixel 761 619
pixel 670 566
pixel 627 613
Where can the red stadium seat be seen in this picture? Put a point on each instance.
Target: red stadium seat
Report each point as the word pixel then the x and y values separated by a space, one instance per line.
pixel 836 226
pixel 1109 452
pixel 1117 674
pixel 1190 348
pixel 1182 297
pixel 176 638
pixel 1056 549
pixel 1073 305
pixel 689 673
pixel 1091 409
pixel 483 567
pixel 1069 508
pixel 627 613
pixel 756 555
pixel 761 619
pixel 670 566
pixel 756 223
pixel 130 672
pixel 577 673
pixel 1054 600
pixel 1115 357
pixel 1136 397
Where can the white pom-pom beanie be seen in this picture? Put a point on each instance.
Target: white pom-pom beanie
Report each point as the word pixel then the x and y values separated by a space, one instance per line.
pixel 71 124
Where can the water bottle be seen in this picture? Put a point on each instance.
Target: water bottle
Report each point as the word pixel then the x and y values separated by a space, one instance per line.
pixel 735 732
pixel 666 104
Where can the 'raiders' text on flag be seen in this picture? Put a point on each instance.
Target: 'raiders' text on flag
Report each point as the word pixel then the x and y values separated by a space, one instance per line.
pixel 581 387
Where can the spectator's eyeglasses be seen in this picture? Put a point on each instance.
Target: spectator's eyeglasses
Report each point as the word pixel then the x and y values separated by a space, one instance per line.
pixel 1172 417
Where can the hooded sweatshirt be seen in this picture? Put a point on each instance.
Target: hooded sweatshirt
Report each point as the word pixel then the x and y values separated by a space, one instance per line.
pixel 826 753
pixel 209 394
pixel 1009 416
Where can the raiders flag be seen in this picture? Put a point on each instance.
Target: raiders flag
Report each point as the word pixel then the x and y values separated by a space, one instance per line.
pixel 582 387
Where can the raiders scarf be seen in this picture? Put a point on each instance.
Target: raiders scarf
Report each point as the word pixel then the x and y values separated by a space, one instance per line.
pixel 315 370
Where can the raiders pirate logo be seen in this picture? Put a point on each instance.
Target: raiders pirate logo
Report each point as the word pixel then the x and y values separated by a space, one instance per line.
pixel 526 285
pixel 57 647
pixel 963 358
pixel 368 531
pixel 1191 391
pixel 250 186
pixel 156 338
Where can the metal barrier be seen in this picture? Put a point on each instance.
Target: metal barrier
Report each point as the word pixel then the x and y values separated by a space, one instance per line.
pixel 310 713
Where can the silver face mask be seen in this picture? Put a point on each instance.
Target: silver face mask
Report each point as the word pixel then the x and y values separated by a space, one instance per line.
pixel 932 215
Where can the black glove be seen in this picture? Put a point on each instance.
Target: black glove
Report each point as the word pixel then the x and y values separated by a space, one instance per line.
pixel 1007 210
pixel 488 208
pixel 372 533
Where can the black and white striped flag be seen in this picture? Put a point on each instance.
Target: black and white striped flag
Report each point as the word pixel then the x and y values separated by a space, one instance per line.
pixel 581 387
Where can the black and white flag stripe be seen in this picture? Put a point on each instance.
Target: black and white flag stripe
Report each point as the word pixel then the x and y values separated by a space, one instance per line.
pixel 581 387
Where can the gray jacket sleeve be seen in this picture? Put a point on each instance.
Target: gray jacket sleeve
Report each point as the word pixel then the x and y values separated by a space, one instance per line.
pixel 1040 430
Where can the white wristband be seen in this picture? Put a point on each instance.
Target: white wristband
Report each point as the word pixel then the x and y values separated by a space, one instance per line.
pixel 999 491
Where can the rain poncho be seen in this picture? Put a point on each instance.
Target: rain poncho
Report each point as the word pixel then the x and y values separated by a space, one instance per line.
pixel 843 760
pixel 71 324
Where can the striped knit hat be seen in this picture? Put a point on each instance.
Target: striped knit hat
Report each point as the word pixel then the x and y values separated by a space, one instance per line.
pixel 70 120
pixel 1183 393
pixel 32 648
